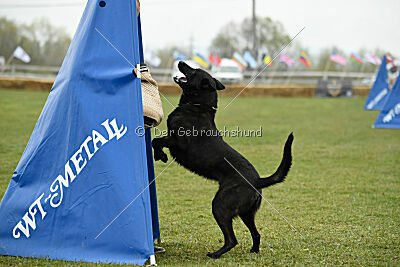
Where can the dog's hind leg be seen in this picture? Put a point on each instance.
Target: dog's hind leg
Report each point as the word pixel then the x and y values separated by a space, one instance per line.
pixel 224 220
pixel 248 220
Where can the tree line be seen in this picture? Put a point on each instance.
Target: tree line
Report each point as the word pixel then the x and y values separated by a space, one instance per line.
pixel 271 37
pixel 45 43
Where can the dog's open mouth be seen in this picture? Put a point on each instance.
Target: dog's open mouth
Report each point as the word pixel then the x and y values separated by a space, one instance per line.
pixel 180 79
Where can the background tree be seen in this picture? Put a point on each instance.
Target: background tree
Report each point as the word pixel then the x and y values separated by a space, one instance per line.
pixel 271 34
pixel 9 36
pixel 45 43
pixel 55 42
pixel 29 41
pixel 271 37
pixel 227 41
pixel 165 54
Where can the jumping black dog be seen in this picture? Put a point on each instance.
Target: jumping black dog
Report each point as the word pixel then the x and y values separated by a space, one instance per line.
pixel 194 142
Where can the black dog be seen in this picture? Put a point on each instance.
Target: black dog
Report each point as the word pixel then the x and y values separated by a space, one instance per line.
pixel 193 142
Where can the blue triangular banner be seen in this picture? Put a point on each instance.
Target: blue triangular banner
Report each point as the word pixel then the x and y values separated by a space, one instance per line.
pixel 389 117
pixel 85 164
pixel 380 89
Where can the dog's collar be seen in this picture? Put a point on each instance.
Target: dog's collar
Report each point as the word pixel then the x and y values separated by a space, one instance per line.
pixel 204 106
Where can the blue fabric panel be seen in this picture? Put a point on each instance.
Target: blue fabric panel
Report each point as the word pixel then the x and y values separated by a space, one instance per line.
pixel 380 89
pixel 84 164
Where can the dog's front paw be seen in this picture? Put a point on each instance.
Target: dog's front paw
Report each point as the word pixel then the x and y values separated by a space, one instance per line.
pixel 160 155
pixel 213 255
pixel 156 143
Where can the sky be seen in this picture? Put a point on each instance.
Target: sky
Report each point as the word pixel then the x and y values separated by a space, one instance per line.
pixel 347 24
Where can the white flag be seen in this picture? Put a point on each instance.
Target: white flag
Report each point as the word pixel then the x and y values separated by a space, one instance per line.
pixel 21 54
pixel 372 59
pixel 2 61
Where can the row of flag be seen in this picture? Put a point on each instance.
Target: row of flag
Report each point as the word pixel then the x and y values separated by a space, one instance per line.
pixel 335 57
pixel 245 61
pixel 199 58
pixel 341 60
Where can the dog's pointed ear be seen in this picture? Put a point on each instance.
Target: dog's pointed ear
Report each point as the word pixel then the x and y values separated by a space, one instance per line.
pixel 219 85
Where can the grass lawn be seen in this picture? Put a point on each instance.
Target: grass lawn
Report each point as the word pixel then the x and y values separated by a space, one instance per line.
pixel 342 194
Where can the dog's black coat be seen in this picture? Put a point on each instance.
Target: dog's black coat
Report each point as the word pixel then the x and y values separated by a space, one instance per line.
pixel 209 156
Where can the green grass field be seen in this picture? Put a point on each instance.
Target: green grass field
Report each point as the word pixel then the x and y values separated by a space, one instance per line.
pixel 342 194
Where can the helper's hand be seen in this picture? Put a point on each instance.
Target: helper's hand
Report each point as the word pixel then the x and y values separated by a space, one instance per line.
pixel 137 7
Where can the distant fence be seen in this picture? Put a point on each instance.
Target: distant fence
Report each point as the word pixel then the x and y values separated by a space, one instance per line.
pixel 267 77
pixel 36 84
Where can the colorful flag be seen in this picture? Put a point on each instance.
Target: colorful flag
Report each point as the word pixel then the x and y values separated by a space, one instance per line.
pixel 239 60
pixel 304 59
pixel 356 58
pixel 389 58
pixel 286 59
pixel 335 57
pixel 21 54
pixel 201 60
pixel 267 60
pixel 215 60
pixel 250 59
pixel 178 55
pixel 372 59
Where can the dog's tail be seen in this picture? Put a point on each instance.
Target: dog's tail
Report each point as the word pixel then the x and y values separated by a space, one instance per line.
pixel 283 169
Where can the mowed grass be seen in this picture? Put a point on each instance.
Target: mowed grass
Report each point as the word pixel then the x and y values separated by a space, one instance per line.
pixel 342 194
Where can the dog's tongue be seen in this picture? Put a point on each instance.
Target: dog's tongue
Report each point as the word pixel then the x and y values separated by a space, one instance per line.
pixel 180 78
